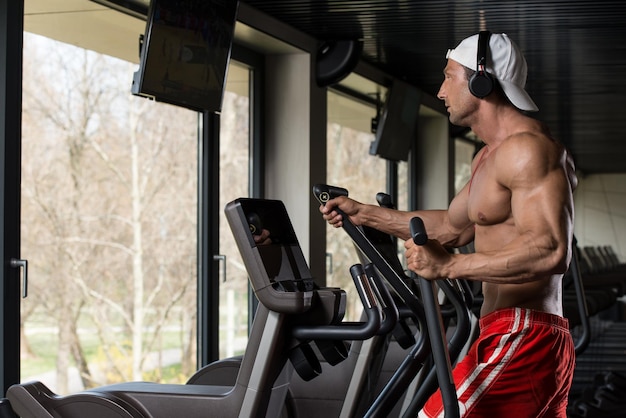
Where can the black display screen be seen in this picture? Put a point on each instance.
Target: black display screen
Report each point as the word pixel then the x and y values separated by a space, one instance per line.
pixel 397 125
pixel 185 52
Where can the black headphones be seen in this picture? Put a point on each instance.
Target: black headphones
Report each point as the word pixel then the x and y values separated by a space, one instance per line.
pixel 481 82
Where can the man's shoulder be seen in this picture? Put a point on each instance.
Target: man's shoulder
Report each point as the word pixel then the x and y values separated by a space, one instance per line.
pixel 530 141
pixel 527 155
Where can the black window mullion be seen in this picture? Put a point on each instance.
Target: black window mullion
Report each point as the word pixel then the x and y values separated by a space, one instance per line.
pixel 11 40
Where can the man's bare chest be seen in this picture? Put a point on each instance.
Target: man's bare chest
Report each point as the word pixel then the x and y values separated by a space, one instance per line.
pixel 489 203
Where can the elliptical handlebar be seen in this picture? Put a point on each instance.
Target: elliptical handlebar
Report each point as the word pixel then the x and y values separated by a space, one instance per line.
pixel 436 330
pixel 348 330
pixel 324 193
pixel 389 308
pixel 583 311
pixel 406 372
pixel 425 310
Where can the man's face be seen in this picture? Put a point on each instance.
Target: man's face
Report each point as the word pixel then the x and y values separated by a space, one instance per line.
pixel 454 91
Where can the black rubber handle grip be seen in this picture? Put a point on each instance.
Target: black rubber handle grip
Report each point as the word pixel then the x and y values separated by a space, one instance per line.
pixel 385 200
pixel 324 192
pixel 418 231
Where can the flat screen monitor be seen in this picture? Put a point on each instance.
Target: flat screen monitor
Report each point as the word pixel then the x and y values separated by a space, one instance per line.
pixel 185 52
pixel 397 124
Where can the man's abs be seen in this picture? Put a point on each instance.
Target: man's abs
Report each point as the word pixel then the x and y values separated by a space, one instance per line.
pixel 540 295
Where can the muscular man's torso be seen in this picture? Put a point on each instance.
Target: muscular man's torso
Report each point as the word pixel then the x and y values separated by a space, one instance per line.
pixel 489 208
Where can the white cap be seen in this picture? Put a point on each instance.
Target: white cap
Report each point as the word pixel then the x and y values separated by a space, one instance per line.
pixel 505 62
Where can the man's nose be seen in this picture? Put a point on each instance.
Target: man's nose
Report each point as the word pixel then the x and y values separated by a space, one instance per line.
pixel 441 94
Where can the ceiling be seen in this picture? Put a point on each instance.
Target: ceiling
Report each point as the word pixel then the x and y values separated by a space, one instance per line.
pixel 575 49
pixel 576 53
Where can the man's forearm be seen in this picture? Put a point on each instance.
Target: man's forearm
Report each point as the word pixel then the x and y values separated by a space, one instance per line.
pixel 396 222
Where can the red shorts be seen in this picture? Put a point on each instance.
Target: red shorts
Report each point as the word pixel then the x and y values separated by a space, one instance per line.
pixel 520 366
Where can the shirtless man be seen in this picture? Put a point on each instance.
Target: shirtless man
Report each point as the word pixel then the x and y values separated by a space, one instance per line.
pixel 518 210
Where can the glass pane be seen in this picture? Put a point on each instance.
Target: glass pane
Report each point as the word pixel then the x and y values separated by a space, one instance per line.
pixel 234 180
pixel 463 154
pixel 351 166
pixel 404 186
pixel 109 197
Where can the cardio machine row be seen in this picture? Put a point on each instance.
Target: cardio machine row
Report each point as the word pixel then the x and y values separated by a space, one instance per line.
pixel 297 324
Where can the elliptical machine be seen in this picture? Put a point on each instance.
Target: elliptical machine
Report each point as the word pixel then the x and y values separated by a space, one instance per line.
pixel 293 314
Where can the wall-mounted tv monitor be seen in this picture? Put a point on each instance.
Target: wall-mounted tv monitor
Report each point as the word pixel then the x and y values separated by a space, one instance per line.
pixel 185 52
pixel 397 123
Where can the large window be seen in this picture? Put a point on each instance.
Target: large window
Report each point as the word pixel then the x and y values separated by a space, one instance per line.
pixel 109 223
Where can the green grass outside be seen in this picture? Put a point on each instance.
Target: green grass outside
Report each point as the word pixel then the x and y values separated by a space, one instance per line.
pixel 45 346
